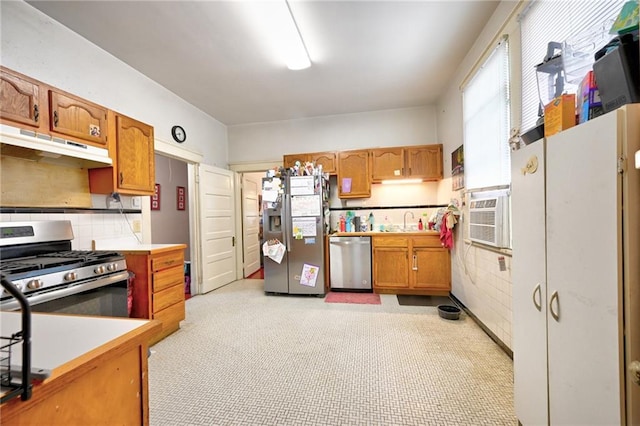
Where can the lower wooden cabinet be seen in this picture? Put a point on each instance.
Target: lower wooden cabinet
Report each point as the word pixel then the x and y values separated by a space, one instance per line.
pixel 158 291
pixel 411 265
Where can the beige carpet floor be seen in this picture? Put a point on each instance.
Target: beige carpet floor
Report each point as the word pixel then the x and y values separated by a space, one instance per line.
pixel 244 358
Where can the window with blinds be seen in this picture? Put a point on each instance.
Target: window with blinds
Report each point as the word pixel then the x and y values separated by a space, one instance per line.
pixel 486 117
pixel 559 21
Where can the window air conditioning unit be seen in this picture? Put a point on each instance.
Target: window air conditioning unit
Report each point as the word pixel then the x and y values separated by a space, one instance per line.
pixel 489 221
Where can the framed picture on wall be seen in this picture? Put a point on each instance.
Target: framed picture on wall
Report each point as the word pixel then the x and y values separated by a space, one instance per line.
pixel 457 168
pixel 180 197
pixel 155 198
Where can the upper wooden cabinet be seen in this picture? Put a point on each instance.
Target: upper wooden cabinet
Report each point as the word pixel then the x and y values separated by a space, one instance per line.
pixel 387 163
pixel 326 159
pixel 424 162
pixel 20 100
pixel 354 176
pixel 131 148
pixel 415 162
pixel 77 118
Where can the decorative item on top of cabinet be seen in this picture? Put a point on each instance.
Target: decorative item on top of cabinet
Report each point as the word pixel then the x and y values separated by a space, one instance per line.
pixel 326 159
pixel 158 291
pixel 354 176
pixel 411 265
pixel 132 150
pixel 74 117
pixel 21 101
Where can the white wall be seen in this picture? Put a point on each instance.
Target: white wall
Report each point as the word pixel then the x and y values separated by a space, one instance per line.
pixel 269 141
pixel 37 46
pixel 476 278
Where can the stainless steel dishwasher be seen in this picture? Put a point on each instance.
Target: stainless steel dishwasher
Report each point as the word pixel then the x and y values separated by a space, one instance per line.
pixel 350 262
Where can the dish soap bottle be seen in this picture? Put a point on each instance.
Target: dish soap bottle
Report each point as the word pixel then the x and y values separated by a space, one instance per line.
pixel 343 224
pixel 420 227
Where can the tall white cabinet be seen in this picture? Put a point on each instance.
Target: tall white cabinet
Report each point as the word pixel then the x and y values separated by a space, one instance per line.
pixel 576 274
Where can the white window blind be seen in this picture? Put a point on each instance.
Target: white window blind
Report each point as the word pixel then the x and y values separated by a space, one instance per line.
pixel 559 21
pixel 486 115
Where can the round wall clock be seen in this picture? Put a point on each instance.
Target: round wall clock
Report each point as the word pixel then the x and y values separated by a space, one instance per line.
pixel 178 133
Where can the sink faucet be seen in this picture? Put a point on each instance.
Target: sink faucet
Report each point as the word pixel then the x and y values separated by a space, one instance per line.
pixel 405 219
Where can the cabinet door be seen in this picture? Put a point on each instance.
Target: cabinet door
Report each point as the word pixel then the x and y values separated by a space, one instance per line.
pixel 135 165
pixel 529 284
pixel 326 159
pixel 354 166
pixel 387 163
pixel 425 162
pixel 584 249
pixel 391 267
pixel 77 118
pixel 431 269
pixel 289 160
pixel 19 99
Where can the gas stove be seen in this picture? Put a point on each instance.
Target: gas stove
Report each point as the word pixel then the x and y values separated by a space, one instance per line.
pixel 37 258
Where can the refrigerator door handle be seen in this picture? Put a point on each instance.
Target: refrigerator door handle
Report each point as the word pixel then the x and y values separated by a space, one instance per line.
pixel 287 220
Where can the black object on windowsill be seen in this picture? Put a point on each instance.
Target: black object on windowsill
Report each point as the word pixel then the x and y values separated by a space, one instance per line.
pixel 22 386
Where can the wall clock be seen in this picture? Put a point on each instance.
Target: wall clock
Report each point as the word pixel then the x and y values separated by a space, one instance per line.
pixel 178 133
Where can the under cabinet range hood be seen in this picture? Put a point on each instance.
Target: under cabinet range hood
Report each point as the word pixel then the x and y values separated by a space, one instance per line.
pixel 29 145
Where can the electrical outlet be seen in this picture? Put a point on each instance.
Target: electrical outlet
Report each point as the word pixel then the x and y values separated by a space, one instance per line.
pixel 502 264
pixel 136 202
pixel 136 226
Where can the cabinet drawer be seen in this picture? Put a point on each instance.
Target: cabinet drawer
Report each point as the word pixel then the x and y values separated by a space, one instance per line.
pixel 168 297
pixel 426 241
pixel 390 242
pixel 167 260
pixel 171 315
pixel 167 278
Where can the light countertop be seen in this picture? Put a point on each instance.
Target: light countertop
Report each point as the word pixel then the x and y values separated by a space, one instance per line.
pixel 384 234
pixel 58 339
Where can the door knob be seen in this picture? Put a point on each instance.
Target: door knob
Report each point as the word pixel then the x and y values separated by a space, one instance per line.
pixel 634 371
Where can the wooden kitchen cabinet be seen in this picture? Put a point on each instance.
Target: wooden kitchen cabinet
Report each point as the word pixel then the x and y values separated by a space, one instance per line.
pixel 354 165
pixel 131 148
pixel 21 101
pixel 414 162
pixel 424 162
pixel 71 116
pixel 326 159
pixel 387 163
pixel 158 291
pixel 411 265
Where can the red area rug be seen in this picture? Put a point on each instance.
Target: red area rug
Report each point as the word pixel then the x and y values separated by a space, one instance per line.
pixel 358 298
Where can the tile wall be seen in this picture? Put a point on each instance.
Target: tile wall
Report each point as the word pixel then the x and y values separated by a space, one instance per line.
pixel 86 226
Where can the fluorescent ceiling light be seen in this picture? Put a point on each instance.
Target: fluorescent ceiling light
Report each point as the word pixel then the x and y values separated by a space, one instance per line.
pixel 400 181
pixel 276 28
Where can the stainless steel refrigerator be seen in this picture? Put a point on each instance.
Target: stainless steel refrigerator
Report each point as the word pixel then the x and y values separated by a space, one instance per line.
pixel 295 215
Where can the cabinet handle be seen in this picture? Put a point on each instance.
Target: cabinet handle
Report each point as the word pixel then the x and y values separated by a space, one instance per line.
pixel 121 178
pixel 537 302
pixel 36 113
pixel 555 314
pixel 55 118
pixel 415 262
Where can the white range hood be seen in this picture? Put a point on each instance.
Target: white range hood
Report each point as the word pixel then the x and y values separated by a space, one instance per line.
pixel 29 145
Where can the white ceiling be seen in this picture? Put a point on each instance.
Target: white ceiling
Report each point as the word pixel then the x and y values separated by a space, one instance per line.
pixel 367 55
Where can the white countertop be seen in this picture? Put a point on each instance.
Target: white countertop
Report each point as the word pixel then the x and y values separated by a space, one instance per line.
pixel 127 244
pixel 58 339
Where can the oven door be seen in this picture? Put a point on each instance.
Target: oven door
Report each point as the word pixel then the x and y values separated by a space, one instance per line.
pixel 103 296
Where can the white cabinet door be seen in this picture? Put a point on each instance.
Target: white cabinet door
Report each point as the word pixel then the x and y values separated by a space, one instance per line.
pixel 529 284
pixel 583 252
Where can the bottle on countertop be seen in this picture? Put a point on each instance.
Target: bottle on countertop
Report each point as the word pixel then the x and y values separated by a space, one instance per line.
pixel 371 221
pixel 420 226
pixel 343 224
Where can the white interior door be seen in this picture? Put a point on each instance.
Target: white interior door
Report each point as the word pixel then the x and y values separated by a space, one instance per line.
pixel 250 225
pixel 217 212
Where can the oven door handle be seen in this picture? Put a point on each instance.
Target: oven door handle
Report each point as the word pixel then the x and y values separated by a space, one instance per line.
pixel 68 291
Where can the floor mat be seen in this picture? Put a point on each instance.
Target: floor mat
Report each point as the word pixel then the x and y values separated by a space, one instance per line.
pixel 358 298
pixel 413 300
